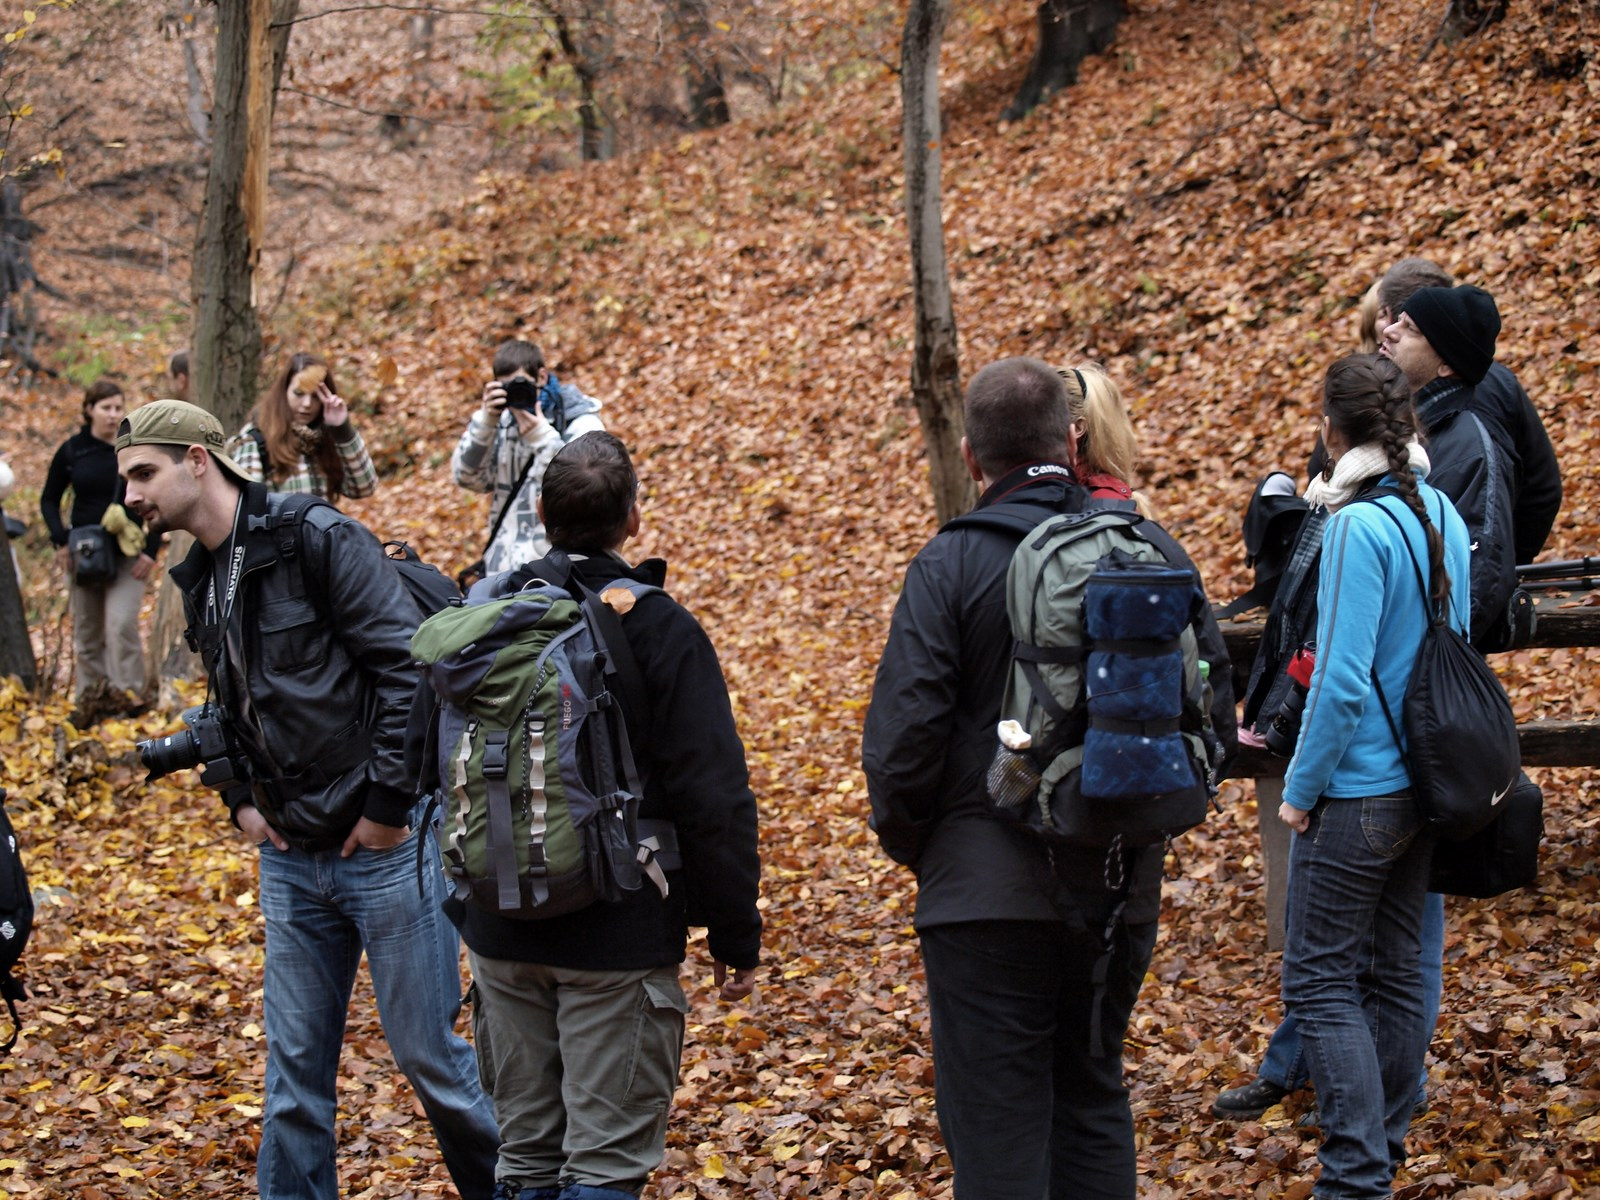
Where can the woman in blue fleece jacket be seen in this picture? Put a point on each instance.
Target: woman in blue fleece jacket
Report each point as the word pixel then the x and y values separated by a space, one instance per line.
pixel 1359 863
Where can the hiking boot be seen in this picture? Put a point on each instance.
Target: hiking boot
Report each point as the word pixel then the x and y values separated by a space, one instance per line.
pixel 95 704
pixel 1248 1102
pixel 128 703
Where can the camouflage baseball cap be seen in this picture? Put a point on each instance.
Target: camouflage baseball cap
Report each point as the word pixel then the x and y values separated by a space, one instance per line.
pixel 177 423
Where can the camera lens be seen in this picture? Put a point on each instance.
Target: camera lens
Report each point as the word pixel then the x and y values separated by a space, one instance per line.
pixel 1284 731
pixel 177 751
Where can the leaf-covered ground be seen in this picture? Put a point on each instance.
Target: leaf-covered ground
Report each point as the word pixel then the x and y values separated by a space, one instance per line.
pixel 1201 214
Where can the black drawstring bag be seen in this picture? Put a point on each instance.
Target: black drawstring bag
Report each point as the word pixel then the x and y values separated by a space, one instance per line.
pixel 1461 737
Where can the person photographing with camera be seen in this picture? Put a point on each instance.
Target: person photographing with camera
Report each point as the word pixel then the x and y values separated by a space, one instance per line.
pixel 305 634
pixel 524 416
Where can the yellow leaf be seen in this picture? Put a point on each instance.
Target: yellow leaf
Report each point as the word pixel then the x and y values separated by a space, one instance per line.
pixel 245 899
pixel 388 372
pixel 194 933
pixel 714 1168
pixel 251 1031
pixel 135 1122
pixel 11 1164
pixel 784 1153
pixel 620 599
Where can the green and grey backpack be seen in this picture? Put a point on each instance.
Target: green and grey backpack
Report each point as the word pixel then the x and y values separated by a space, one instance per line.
pixel 1101 735
pixel 539 783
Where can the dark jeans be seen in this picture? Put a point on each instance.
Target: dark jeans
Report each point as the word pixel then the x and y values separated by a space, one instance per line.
pixel 1027 1110
pixel 1352 980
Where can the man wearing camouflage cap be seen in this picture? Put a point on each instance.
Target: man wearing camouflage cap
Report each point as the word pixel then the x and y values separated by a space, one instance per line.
pixel 305 632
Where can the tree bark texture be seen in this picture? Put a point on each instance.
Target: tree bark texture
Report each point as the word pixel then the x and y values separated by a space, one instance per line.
pixel 170 658
pixel 226 355
pixel 225 361
pixel 17 276
pixel 707 95
pixel 16 650
pixel 594 142
pixel 935 364
pixel 1069 31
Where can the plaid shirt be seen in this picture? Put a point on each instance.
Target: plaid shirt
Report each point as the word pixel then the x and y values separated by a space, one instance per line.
pixel 360 477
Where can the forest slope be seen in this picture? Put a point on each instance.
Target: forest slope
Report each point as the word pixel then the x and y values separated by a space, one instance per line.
pixel 1200 214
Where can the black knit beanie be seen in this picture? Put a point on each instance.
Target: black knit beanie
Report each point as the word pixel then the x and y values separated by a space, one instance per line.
pixel 1460 323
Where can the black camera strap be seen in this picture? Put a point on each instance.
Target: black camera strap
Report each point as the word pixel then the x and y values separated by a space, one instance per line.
pixel 477 569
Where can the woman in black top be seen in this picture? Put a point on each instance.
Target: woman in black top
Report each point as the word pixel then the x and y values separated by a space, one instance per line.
pixel 105 616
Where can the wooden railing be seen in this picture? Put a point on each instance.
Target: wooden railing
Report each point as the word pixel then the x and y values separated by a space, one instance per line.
pixel 1549 743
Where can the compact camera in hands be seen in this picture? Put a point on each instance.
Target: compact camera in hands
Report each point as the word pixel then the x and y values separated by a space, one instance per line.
pixel 1284 731
pixel 203 742
pixel 522 393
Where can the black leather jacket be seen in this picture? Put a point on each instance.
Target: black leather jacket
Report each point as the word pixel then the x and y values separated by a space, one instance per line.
pixel 319 681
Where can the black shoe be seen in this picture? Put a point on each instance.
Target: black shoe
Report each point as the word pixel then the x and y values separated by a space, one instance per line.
pixel 1248 1102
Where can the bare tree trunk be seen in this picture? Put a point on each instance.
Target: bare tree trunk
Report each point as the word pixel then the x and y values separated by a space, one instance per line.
pixel 935 365
pixel 227 340
pixel 708 96
pixel 1069 31
pixel 16 649
pixel 225 363
pixel 199 121
pixel 594 137
pixel 170 658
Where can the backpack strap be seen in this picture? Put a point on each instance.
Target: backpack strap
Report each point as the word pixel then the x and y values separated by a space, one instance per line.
pixel 1432 619
pixel 260 439
pixel 476 569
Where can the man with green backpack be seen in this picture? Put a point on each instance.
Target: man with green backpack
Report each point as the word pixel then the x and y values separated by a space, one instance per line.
pixel 1039 729
pixel 596 805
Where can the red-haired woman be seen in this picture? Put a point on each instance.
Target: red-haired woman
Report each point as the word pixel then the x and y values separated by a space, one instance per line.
pixel 300 439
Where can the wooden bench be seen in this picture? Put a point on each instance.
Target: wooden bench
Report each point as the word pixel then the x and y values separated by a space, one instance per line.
pixel 1549 743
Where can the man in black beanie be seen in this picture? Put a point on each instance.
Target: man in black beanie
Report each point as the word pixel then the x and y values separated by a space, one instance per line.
pixel 1458 327
pixel 1443 339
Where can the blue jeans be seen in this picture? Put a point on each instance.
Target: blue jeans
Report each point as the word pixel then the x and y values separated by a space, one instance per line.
pixel 321 912
pixel 1358 885
pixel 1285 1061
pixel 1029 1109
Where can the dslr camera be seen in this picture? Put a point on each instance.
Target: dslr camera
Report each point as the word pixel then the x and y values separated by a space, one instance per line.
pixel 1284 731
pixel 203 742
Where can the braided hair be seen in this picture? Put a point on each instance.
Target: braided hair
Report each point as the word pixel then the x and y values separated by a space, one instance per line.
pixel 1367 399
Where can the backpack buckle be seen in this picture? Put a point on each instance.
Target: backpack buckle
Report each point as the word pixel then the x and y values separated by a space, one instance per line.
pixel 494 754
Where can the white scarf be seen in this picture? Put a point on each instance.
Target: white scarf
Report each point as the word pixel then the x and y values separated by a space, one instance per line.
pixel 1357 466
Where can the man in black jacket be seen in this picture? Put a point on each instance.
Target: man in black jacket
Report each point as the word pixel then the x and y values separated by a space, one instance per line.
pixel 305 632
pixel 578 1019
pixel 1010 933
pixel 1500 400
pixel 1444 340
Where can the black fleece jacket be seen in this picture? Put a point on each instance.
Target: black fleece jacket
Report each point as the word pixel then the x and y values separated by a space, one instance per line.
pixel 690 754
pixel 89 467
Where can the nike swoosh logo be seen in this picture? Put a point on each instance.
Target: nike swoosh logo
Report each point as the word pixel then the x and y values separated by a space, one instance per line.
pixel 1496 797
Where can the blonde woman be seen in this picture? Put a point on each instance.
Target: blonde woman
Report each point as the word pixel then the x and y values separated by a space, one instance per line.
pixel 1103 447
